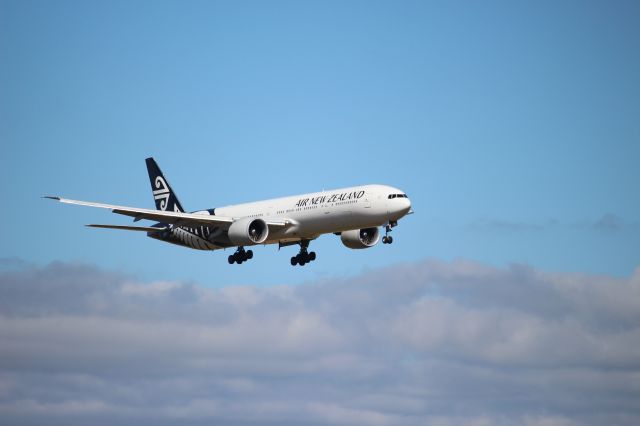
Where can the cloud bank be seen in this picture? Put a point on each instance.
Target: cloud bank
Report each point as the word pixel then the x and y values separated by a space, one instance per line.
pixel 608 222
pixel 430 343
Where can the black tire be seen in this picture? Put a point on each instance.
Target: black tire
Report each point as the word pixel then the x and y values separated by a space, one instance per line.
pixel 384 240
pixel 312 256
pixel 302 262
pixel 231 260
pixel 294 261
pixel 389 240
pixel 249 254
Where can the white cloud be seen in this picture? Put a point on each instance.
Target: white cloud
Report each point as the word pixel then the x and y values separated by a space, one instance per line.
pixel 431 343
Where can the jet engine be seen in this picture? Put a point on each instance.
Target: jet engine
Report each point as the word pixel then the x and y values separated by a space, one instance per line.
pixel 360 238
pixel 247 231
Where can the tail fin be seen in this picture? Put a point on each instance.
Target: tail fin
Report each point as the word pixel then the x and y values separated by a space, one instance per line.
pixel 163 195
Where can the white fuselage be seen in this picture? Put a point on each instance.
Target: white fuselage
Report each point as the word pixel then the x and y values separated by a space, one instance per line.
pixel 307 215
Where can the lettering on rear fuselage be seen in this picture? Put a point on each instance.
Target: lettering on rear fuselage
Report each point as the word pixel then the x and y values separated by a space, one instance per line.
pixel 333 198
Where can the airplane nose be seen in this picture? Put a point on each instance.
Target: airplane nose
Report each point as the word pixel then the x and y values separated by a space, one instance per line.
pixel 401 207
pixel 406 206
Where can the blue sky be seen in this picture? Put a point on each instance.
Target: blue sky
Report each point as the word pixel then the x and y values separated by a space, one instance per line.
pixel 513 126
pixel 509 298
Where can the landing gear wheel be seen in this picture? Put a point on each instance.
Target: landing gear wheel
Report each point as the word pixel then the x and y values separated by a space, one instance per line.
pixel 304 256
pixel 240 256
pixel 388 239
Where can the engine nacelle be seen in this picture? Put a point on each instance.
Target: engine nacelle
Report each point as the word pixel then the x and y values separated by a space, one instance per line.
pixel 361 238
pixel 247 231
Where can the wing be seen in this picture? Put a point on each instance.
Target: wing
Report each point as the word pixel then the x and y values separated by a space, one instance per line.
pixel 127 228
pixel 174 218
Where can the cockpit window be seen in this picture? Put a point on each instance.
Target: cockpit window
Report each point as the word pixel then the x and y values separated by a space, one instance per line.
pixel 391 196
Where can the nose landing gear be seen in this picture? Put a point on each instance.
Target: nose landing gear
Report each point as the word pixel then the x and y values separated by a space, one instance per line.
pixel 304 256
pixel 240 256
pixel 388 239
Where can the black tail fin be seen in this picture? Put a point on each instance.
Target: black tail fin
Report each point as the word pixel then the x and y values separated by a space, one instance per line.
pixel 163 195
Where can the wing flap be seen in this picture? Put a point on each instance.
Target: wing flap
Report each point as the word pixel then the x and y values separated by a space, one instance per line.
pixel 126 228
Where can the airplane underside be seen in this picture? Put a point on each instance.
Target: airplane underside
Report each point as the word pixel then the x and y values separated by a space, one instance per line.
pixel 215 238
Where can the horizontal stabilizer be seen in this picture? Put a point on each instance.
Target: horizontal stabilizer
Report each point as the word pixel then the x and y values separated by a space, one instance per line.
pixel 127 228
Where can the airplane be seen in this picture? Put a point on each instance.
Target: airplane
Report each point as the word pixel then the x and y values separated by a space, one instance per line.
pixel 356 214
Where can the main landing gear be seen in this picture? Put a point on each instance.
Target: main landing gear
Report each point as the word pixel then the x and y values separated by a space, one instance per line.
pixel 388 239
pixel 304 256
pixel 240 256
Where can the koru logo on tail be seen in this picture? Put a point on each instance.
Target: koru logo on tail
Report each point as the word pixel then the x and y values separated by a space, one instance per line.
pixel 162 193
